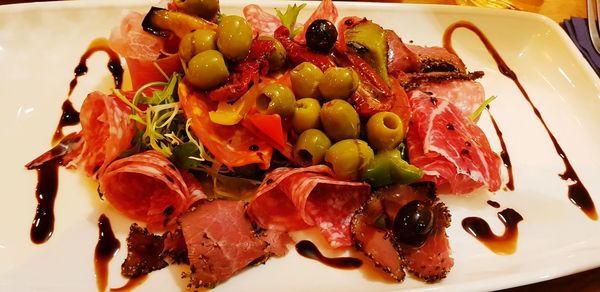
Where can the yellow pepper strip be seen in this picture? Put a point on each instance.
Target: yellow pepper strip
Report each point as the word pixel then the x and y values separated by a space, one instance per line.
pixel 228 114
pixel 180 23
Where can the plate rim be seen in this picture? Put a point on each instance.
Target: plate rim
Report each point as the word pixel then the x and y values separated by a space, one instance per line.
pixel 431 8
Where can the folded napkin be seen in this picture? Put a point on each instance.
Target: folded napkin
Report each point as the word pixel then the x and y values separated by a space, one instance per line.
pixel 577 29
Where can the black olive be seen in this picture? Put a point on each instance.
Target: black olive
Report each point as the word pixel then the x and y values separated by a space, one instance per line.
pixel 413 223
pixel 321 35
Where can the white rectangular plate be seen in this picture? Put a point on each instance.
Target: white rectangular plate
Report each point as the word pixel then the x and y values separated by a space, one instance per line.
pixel 40 45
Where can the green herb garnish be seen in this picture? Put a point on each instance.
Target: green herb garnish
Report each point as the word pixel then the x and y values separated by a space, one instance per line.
pixel 288 18
pixel 475 115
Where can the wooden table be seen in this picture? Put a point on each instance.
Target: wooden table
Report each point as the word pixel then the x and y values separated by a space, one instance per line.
pixel 558 10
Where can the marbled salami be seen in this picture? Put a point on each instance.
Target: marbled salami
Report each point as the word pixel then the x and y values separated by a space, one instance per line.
pixel 149 188
pixel 106 131
pixel 262 22
pixel 297 198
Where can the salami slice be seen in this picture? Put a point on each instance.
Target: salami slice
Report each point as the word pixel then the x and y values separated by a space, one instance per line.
pixel 106 132
pixel 149 188
pixel 452 151
pixel 262 22
pixel 297 198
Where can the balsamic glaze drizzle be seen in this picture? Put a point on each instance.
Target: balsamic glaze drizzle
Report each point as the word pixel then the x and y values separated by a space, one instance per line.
pixel 504 154
pixel 42 226
pixel 106 248
pixel 506 243
pixel 577 193
pixel 309 250
pixel 70 116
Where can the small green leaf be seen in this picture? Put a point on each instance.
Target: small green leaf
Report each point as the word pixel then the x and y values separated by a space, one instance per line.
pixel 288 18
pixel 475 115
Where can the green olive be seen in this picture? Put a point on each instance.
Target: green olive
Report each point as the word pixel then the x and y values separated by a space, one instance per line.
pixel 196 42
pixel 305 80
pixel 339 119
pixel 277 57
pixel 276 99
pixel 306 115
pixel 349 158
pixel 207 70
pixel 338 82
pixel 234 37
pixel 385 130
pixel 310 147
pixel 206 9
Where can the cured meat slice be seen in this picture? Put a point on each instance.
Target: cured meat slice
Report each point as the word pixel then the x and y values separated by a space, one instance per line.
pixel 400 59
pixel 220 241
pixel 372 231
pixel 106 131
pixel 142 50
pixel 466 95
pixel 131 41
pixel 325 10
pixel 412 81
pixel 262 22
pixel 432 260
pixel 296 198
pixel 144 253
pixel 437 59
pixel 146 187
pixel 375 241
pixel 276 241
pixel 452 151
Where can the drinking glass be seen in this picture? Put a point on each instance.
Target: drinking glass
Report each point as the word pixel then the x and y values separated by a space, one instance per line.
pixel 526 5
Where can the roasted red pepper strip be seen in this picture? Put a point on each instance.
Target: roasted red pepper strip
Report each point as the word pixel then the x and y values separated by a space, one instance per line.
pixel 297 53
pixel 231 145
pixel 271 129
pixel 373 94
pixel 246 72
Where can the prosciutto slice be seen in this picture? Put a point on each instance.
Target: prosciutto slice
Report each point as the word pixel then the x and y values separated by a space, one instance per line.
pixel 142 50
pixel 149 188
pixel 106 132
pixel 466 95
pixel 131 41
pixel 452 150
pixel 297 198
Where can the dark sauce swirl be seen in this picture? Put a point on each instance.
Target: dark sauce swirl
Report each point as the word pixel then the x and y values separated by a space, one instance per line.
pixel 42 226
pixel 131 284
pixel 577 193
pixel 106 248
pixel 504 244
pixel 309 250
pixel 504 154
pixel 70 116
